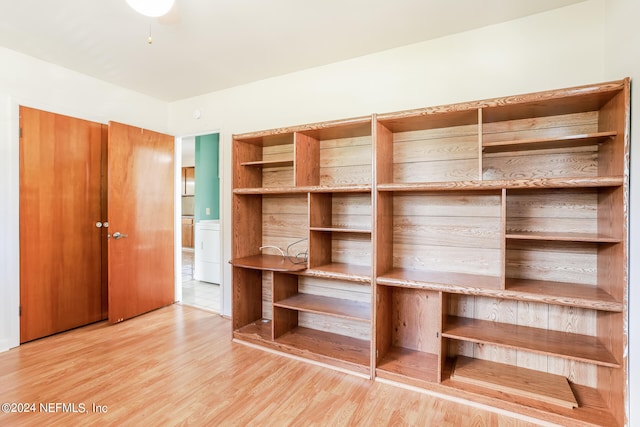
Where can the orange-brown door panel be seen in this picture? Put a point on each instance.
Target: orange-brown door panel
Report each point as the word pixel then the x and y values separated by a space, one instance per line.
pixel 60 245
pixel 141 221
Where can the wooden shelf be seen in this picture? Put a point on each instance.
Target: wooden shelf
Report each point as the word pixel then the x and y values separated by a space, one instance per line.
pixel 267 262
pixel 592 410
pixel 340 271
pixel 304 189
pixel 548 292
pixel 268 190
pixel 540 386
pixel 562 237
pixel 561 293
pixel 547 143
pixel 340 230
pixel 360 188
pixel 260 330
pixel 269 163
pixel 327 344
pixel 439 281
pixel 562 344
pixel 405 365
pixel 347 309
pixel 605 181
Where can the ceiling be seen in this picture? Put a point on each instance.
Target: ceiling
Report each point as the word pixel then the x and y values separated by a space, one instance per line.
pixel 207 45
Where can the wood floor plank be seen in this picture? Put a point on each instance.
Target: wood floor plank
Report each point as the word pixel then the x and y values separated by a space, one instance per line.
pixel 178 366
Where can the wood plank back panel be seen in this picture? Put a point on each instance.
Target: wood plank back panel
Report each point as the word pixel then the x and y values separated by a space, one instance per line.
pixel 350 248
pixel 60 203
pixel 346 161
pixel 455 233
pixel 554 261
pixel 334 288
pixel 531 166
pixel 541 127
pixel 335 325
pixel 415 319
pixel 441 154
pixel 561 162
pixel 553 211
pixel 285 220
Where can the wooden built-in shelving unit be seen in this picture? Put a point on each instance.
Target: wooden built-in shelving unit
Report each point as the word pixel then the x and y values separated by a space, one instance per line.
pixel 478 250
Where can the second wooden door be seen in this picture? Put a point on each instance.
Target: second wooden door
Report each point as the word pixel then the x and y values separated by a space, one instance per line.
pixel 141 221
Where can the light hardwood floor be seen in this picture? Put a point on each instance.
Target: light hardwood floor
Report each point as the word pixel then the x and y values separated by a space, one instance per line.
pixel 178 366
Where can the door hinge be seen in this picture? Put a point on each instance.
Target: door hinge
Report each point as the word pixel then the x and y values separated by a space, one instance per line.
pixel 20 310
pixel 20 132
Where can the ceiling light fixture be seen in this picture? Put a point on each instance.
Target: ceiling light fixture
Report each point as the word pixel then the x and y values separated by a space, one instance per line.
pixel 153 8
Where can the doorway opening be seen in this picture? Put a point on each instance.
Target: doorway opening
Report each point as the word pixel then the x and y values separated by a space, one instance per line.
pixel 200 218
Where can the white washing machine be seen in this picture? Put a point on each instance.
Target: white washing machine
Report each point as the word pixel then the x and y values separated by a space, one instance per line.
pixel 207 251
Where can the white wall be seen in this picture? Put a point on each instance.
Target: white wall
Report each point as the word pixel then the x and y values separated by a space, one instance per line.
pixel 622 57
pixel 28 81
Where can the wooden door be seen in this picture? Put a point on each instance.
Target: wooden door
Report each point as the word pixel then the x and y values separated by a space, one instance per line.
pixel 141 211
pixel 60 245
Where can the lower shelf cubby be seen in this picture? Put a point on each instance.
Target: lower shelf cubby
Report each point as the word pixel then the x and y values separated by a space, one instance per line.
pixel 408 366
pixel 326 347
pixel 257 332
pixel 340 351
pixel 408 338
pixel 591 409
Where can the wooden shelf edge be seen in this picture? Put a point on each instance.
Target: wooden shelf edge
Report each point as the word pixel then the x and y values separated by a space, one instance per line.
pixel 555 293
pixel 353 121
pixel 562 237
pixel 268 163
pixel 566 345
pixel 337 307
pixel 480 185
pixel 339 271
pixel 498 103
pixel 363 188
pixel 441 281
pixel 546 143
pixel 268 190
pixel 560 293
pixel 340 230
pixel 355 188
pixel 268 263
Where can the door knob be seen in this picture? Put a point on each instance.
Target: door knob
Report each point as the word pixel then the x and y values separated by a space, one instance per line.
pixel 118 235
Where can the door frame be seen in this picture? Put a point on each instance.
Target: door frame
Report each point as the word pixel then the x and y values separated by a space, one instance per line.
pixel 178 215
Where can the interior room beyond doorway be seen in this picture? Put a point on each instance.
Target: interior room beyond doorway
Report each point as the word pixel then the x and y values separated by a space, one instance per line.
pixel 200 206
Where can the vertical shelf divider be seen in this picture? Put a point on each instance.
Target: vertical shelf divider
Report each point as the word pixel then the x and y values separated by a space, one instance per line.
pixel 306 160
pixel 480 148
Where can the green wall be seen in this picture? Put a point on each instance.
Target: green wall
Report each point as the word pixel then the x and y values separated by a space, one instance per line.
pixel 207 177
